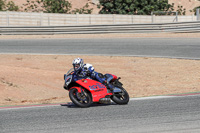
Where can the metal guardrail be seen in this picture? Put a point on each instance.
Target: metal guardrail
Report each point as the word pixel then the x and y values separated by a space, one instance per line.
pixel 180 27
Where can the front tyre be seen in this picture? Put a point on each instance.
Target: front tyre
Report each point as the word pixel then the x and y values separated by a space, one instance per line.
pixel 121 97
pixel 82 99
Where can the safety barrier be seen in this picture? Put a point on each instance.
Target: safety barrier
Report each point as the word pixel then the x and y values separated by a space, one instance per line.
pixel 97 29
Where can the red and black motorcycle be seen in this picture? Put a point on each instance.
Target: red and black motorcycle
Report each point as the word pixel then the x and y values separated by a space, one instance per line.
pixel 86 91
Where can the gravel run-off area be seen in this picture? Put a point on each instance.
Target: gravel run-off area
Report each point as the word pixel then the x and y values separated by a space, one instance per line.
pixel 38 79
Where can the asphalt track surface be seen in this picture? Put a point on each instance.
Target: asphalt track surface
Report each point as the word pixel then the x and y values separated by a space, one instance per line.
pixel 160 115
pixel 187 48
pixel 157 115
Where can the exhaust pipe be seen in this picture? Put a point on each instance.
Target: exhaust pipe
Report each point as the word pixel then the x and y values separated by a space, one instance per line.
pixel 105 100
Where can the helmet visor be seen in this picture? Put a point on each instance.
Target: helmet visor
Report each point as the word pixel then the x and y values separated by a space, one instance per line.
pixel 76 66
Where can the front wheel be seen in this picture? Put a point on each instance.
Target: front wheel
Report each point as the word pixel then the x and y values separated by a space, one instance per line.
pixel 120 97
pixel 82 99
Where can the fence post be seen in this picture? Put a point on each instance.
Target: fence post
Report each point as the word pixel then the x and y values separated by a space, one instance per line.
pixel 41 18
pixel 132 18
pixel 77 18
pixel 192 17
pixel 176 16
pixel 152 17
pixel 90 19
pixel 7 18
pixel 114 15
pixel 48 21
pixel 197 13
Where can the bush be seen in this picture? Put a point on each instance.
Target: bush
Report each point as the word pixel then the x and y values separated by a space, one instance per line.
pixel 55 6
pixel 10 6
pixel 84 10
pixel 194 10
pixel 2 5
pixel 140 7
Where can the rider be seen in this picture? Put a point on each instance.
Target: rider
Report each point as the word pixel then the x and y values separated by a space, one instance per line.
pixel 78 64
pixel 87 70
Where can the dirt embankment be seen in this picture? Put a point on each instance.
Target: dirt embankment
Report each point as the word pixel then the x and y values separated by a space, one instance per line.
pixel 36 79
pixel 117 35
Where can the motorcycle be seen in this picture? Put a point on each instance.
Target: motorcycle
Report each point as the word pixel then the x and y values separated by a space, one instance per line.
pixel 85 91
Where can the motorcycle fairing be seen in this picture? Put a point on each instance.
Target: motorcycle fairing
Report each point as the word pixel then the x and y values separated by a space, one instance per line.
pixel 97 89
pixel 78 88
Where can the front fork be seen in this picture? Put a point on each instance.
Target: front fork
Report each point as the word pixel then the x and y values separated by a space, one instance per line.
pixel 80 94
pixel 116 89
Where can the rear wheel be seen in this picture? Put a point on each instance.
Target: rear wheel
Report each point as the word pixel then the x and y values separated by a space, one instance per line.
pixel 82 99
pixel 120 97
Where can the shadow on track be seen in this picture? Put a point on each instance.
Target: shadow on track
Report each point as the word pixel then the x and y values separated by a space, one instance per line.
pixel 72 105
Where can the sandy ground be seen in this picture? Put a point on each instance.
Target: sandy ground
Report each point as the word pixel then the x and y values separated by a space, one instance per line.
pixel 38 79
pixel 117 35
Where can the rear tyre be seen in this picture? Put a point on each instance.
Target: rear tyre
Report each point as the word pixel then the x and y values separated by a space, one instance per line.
pixel 122 97
pixel 82 99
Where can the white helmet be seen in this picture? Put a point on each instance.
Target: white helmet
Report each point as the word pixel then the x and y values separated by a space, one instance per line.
pixel 77 64
pixel 88 68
